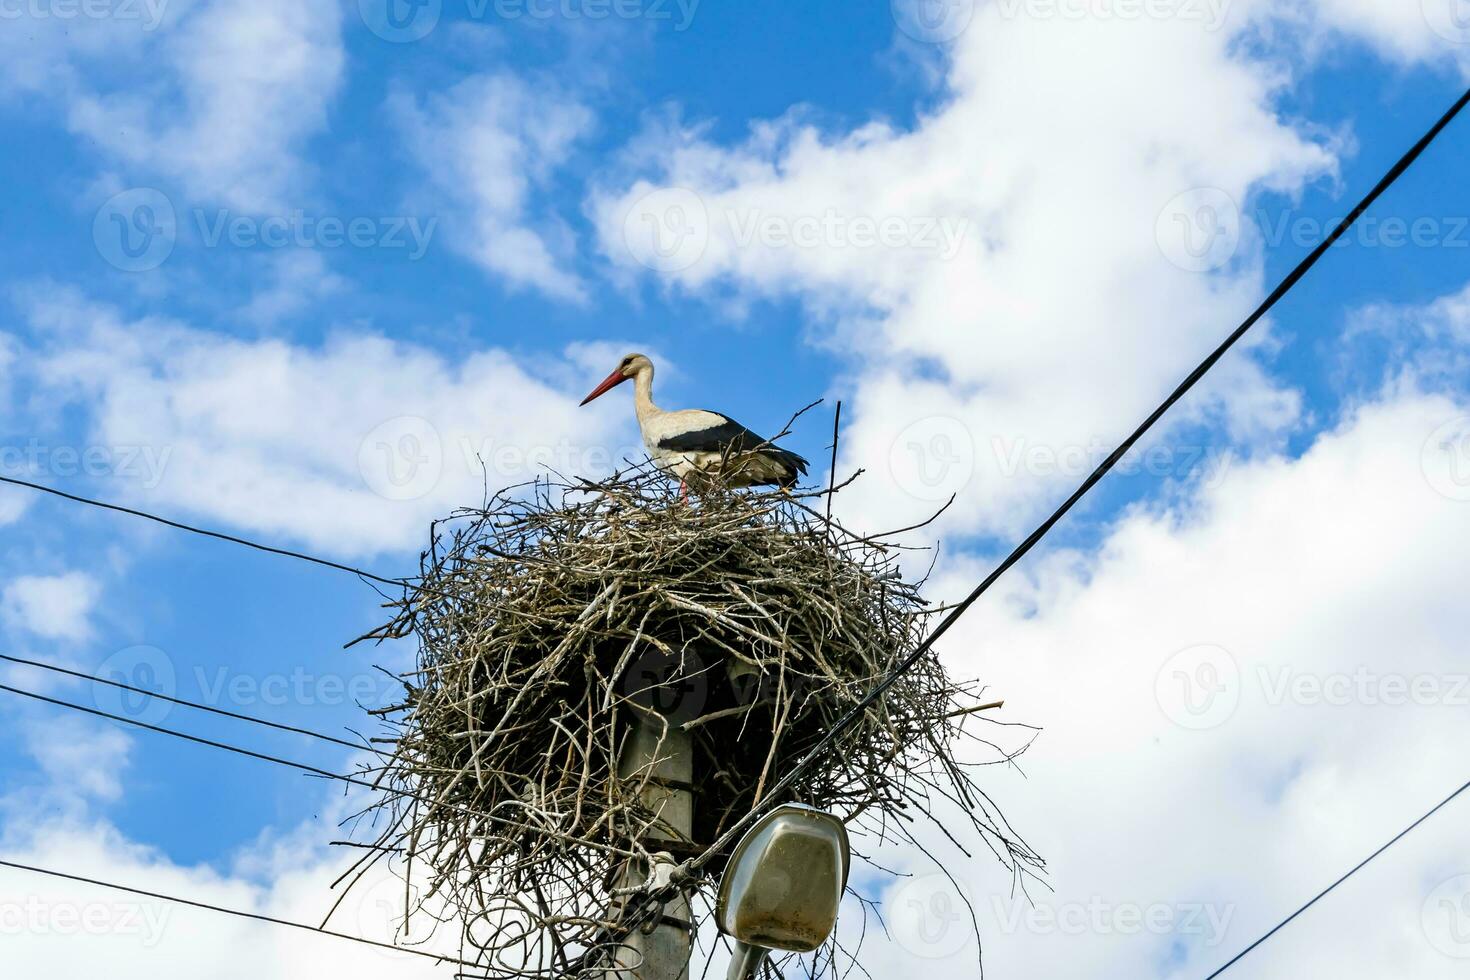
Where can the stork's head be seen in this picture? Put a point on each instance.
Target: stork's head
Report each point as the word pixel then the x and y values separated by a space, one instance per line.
pixel 628 369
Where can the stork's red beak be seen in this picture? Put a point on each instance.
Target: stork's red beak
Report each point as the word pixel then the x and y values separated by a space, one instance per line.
pixel 608 384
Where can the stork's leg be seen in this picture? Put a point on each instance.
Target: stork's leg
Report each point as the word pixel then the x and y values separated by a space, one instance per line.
pixel 683 491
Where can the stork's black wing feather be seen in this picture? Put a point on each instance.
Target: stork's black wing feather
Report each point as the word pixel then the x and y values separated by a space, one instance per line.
pixel 730 436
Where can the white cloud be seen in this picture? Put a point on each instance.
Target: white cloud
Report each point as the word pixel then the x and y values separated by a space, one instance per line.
pixel 13 502
pixel 352 446
pixel 81 762
pixel 1239 785
pixel 1446 320
pixel 13 505
pixel 1012 271
pixel 47 51
pixel 55 607
pixel 1432 340
pixel 53 927
pixel 245 85
pixel 133 935
pixel 297 279
pixel 1451 314
pixel 229 92
pixel 486 146
pixel 1025 294
pixel 1407 31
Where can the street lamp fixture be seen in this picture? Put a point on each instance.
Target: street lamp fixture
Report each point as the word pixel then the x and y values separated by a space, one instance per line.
pixel 783 886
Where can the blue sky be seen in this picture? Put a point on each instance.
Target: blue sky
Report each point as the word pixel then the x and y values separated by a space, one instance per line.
pixel 500 170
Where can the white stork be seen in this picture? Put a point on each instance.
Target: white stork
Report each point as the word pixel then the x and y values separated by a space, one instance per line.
pixel 693 442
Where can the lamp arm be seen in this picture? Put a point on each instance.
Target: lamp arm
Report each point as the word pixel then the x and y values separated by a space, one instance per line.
pixel 746 962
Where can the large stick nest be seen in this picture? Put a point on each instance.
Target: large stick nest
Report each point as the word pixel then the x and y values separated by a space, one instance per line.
pixel 556 619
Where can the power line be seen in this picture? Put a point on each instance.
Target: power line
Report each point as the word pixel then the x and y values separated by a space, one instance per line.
pixel 188 704
pixel 1330 888
pixel 217 535
pixel 1106 466
pixel 288 763
pixel 158 729
pixel 442 958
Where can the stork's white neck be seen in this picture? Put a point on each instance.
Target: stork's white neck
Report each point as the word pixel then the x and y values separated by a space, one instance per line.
pixel 643 395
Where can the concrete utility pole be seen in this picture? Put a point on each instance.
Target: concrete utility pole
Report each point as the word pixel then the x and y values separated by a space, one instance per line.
pixel 659 747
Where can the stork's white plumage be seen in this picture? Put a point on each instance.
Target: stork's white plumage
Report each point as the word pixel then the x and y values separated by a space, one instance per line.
pixel 694 442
